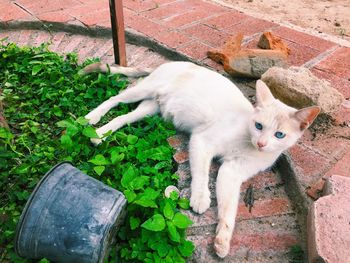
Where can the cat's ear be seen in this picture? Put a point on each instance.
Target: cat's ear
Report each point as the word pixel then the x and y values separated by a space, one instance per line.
pixel 263 95
pixel 306 116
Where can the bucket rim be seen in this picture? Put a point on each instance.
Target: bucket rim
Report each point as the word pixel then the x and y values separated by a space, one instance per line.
pixel 28 204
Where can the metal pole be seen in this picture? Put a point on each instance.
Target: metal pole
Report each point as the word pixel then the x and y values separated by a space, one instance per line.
pixel 118 33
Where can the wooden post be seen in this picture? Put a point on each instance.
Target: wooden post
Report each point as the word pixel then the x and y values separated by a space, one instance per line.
pixel 118 33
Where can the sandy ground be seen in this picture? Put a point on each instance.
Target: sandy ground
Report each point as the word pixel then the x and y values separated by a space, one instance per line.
pixel 331 17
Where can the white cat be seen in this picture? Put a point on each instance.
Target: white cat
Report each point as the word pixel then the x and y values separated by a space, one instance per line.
pixel 222 123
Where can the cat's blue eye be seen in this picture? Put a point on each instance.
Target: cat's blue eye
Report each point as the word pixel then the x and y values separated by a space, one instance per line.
pixel 258 125
pixel 280 135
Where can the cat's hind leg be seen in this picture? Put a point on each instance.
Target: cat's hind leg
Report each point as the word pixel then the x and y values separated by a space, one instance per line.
pixel 146 107
pixel 142 91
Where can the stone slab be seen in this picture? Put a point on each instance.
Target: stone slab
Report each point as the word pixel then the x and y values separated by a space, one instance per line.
pixel 328 223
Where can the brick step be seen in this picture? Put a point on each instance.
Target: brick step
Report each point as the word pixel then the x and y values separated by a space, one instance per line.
pixel 85 46
pixel 263 240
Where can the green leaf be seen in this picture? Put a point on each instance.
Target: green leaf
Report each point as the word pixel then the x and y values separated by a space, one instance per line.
pixel 155 223
pixel 132 139
pixel 173 233
pixel 134 222
pixel 181 220
pixel 162 248
pixel 66 141
pixel 99 159
pixel 146 202
pixel 57 111
pixel 184 203
pixel 139 182
pixel 82 121
pixel 116 157
pixel 186 248
pixel 130 195
pixel 90 132
pixel 168 211
pixel 5 133
pixel 174 195
pixel 99 169
pixel 36 69
pixel 128 176
pixel 71 128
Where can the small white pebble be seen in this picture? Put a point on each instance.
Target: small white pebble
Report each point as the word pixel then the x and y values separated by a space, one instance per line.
pixel 170 189
pixel 273 224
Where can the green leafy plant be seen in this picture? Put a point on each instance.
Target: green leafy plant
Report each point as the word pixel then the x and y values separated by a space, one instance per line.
pixel 44 100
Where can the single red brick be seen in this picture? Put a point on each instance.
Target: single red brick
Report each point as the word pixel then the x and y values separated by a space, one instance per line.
pixel 207 34
pixel 10 11
pixel 262 180
pixel 56 40
pixel 95 18
pixel 337 64
pixel 87 8
pixel 41 37
pixel 264 241
pixel 341 84
pixel 300 54
pixel 25 36
pixel 327 145
pixel 226 20
pixel 140 5
pixel 172 9
pixel 43 6
pixel 251 26
pixel 208 6
pixel 103 49
pixel 342 167
pixel 264 208
pixel 106 24
pixel 144 25
pixel 181 156
pixel 73 44
pixel 342 54
pixel 309 163
pixel 342 116
pixel 303 38
pixel 86 47
pixel 12 36
pixel 191 17
pixel 195 50
pixel 56 16
pixel 173 39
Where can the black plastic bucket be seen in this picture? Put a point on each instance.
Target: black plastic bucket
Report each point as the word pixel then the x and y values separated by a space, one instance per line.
pixel 69 217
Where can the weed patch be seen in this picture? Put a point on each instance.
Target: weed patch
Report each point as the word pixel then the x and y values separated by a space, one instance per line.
pixel 44 100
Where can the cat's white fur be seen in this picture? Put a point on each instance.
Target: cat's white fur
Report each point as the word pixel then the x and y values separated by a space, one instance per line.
pixel 221 122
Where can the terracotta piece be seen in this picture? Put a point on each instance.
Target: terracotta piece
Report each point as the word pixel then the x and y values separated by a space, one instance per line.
pixel 251 63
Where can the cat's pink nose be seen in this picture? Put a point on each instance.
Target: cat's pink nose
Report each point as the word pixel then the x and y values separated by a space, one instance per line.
pixel 261 144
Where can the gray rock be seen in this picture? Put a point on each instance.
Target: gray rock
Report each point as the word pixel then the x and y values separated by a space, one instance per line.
pixel 298 87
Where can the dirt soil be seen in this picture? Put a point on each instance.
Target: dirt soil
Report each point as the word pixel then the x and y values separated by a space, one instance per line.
pixel 331 17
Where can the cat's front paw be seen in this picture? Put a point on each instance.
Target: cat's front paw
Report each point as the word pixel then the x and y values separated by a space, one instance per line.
pixel 96 141
pixel 200 202
pixel 222 246
pixel 93 117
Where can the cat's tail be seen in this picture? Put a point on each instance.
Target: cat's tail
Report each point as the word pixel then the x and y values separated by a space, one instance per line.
pixel 127 71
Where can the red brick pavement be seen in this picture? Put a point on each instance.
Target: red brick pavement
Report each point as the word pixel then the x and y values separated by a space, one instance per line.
pixel 190 28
